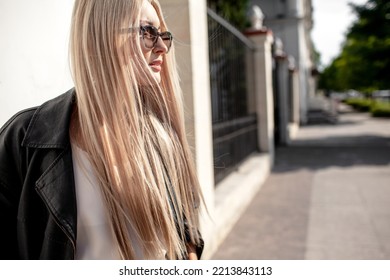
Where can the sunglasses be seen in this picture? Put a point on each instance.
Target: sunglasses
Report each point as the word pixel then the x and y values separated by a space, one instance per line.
pixel 150 36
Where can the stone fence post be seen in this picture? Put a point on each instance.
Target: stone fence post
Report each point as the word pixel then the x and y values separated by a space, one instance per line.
pixel 263 40
pixel 294 95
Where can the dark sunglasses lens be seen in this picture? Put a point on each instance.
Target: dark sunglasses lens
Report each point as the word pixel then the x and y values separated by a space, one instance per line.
pixel 150 31
pixel 150 35
pixel 167 38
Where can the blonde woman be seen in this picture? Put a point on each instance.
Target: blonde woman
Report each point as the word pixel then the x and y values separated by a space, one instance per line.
pixel 104 171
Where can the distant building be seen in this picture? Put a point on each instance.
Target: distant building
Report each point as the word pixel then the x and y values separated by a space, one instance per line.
pixel 292 21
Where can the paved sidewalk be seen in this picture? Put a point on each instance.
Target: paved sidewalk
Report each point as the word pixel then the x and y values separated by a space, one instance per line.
pixel 328 197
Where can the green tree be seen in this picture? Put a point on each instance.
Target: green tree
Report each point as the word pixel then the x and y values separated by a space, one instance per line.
pixel 234 11
pixel 364 62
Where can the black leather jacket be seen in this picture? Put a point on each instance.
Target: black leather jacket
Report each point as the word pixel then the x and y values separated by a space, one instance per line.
pixel 37 191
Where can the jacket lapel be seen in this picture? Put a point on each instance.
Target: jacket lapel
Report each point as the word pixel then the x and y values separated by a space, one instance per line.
pixel 56 188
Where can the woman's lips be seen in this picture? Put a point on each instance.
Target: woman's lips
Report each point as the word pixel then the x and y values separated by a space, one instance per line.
pixel 156 65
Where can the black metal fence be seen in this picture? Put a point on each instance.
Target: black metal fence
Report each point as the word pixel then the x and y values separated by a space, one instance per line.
pixel 234 126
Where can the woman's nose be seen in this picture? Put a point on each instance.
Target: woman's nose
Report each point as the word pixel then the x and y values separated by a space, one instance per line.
pixel 160 46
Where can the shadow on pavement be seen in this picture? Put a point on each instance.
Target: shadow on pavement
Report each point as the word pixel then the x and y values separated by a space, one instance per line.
pixel 333 152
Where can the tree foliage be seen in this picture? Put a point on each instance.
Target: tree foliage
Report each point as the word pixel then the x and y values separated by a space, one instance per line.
pixel 364 62
pixel 234 11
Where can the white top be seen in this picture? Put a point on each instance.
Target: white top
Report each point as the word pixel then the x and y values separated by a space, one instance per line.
pixel 95 239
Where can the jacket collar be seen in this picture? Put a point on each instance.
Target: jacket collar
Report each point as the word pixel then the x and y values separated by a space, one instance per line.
pixel 49 126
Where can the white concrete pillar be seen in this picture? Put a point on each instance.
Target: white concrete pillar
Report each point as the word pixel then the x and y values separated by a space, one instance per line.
pixel 187 20
pixel 263 40
pixel 294 95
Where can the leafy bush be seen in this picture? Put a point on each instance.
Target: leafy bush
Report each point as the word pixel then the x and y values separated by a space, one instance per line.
pixel 360 104
pixel 381 109
pixel 376 108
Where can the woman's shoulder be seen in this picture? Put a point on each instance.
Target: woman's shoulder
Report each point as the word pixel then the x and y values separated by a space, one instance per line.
pixel 20 123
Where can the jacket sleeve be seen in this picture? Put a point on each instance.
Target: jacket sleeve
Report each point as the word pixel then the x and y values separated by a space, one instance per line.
pixel 11 136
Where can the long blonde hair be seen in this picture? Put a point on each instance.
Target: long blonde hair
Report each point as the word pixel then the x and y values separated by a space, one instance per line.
pixel 133 130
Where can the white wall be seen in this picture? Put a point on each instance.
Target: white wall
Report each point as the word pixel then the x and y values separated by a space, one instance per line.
pixel 34 63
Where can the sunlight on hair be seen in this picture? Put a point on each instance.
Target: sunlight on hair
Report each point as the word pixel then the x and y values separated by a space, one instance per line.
pixel 133 131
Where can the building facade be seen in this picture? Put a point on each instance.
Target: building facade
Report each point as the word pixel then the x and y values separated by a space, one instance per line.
pixel 291 21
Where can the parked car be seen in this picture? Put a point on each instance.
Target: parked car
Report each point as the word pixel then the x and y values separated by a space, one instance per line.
pixel 383 95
